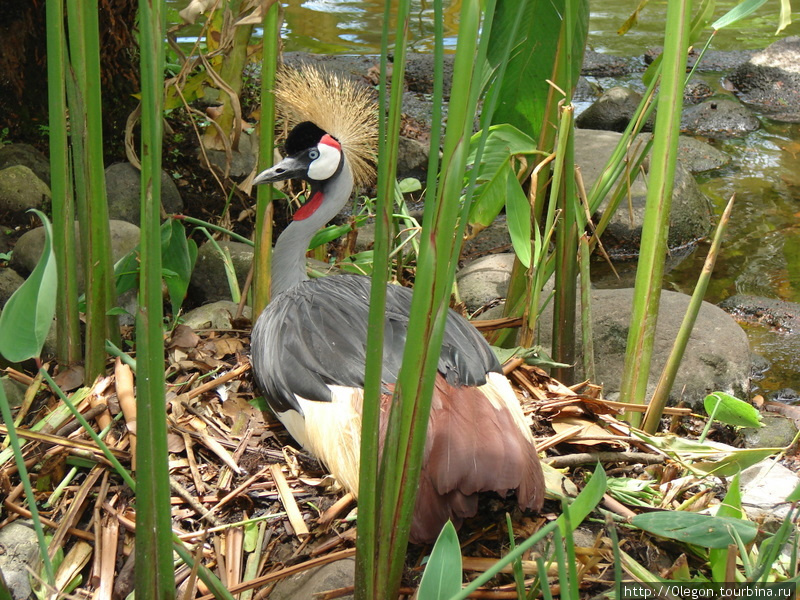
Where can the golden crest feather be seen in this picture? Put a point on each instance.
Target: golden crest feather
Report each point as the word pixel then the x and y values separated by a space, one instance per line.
pixel 340 106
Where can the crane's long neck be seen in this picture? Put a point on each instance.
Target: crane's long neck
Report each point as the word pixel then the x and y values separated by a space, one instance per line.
pixel 289 255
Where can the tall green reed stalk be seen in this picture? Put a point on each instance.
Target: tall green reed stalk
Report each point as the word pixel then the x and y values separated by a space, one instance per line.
pixel 83 93
pixel 373 564
pixel 155 577
pixel 262 254
pixel 384 527
pixel 67 317
pixel 653 250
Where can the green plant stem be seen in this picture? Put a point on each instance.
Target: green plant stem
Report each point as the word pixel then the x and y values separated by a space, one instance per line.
pixel 154 577
pixel 262 255
pixel 87 138
pixel 655 229
pixel 587 336
pixel 652 416
pixel 8 419
pixel 566 271
pixel 378 562
pixel 68 339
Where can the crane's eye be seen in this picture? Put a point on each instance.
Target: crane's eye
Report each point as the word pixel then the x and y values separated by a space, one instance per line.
pixel 313 154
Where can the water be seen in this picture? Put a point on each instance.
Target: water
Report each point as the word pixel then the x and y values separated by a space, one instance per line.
pixel 354 26
pixel 761 252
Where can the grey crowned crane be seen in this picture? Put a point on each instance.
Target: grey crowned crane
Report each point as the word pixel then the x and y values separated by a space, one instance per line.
pixel 308 346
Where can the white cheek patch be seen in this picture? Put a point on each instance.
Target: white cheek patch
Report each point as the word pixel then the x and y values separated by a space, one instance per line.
pixel 326 165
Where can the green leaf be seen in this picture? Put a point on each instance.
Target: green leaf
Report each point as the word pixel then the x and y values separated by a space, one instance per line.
pixel 518 218
pixel 442 576
pixel 708 458
pixel 178 255
pixel 731 507
pixel 586 501
pixel 731 410
pixel 494 171
pixel 409 184
pixel 694 528
pixel 28 314
pixel 738 12
pixel 525 87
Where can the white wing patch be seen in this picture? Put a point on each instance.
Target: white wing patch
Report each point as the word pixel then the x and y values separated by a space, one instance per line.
pixel 331 431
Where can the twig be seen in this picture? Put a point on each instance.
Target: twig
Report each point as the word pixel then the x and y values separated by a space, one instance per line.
pixel 590 458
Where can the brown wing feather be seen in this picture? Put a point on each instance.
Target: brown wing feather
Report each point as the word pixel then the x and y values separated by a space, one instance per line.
pixel 474 444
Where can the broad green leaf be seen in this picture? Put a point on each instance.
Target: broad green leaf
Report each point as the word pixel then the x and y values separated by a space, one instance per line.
pixel 695 528
pixel 502 142
pixel 586 501
pixel 738 12
pixel 731 410
pixel 28 314
pixel 518 218
pixel 178 255
pixel 442 576
pixel 525 87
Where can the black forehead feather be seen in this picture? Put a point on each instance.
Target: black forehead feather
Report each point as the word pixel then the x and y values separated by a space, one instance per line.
pixel 303 136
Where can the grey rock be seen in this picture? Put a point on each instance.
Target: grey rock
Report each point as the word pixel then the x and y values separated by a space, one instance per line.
pixel 243 160
pixel 586 91
pixel 21 190
pixel 719 117
pixel 770 312
pixel 695 155
pixel 419 73
pixel 412 158
pixel 495 238
pixel 717 357
pixel 690 217
pixel 216 315
pixel 10 280
pixel 124 238
pixel 765 487
pixel 123 185
pixel 28 156
pixel 770 80
pixel 209 282
pixel 696 91
pixel 485 280
pixel 18 551
pixel 606 65
pixel 777 432
pixel 612 111
pixel 308 584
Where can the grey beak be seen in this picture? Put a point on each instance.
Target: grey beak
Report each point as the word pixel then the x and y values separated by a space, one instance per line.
pixel 288 168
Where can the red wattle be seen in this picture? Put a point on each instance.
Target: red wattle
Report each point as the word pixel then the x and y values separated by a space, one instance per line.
pixel 309 208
